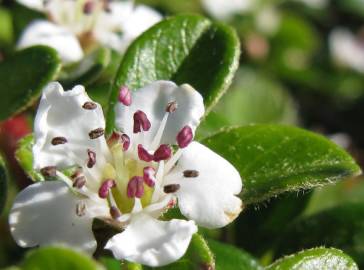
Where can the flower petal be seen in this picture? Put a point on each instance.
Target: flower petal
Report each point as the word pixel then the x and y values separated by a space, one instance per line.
pixel 62 114
pixel 208 185
pixel 152 100
pixel 45 214
pixel 152 242
pixel 42 32
pixel 124 23
pixel 33 4
pixel 222 9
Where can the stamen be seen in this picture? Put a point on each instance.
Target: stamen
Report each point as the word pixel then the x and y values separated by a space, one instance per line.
pixel 184 137
pixel 126 141
pixel 94 134
pixel 115 212
pixel 149 176
pixel 141 122
pixel 135 187
pixel 163 152
pixel 143 154
pixel 105 188
pixel 88 105
pixel 118 137
pixel 58 140
pixel 80 209
pixel 171 107
pixel 125 96
pixel 171 188
pixel 49 171
pixel 91 158
pixel 79 180
pixel 88 7
pixel 190 173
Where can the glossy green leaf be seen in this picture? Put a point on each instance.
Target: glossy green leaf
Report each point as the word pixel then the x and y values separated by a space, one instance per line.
pixel 24 156
pixel 185 49
pixel 273 159
pixel 228 257
pixel 315 259
pixel 340 227
pixel 58 258
pixel 88 70
pixel 3 184
pixel 23 76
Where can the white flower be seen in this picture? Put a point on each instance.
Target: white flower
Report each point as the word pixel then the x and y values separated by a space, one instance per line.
pixel 346 49
pixel 133 177
pixel 223 9
pixel 77 24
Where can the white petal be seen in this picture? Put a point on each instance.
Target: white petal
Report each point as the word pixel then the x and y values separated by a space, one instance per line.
pixel 126 19
pixel 60 114
pixel 346 49
pixel 45 214
pixel 153 99
pixel 223 9
pixel 33 4
pixel 152 242
pixel 45 33
pixel 209 199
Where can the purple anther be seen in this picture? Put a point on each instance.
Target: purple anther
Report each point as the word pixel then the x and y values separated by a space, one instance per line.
pixel 149 176
pixel 163 152
pixel 105 188
pixel 135 187
pixel 141 122
pixel 184 137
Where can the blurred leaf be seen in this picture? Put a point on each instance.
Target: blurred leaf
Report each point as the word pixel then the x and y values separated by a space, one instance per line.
pixel 22 16
pixel 350 190
pixel 259 227
pixel 110 263
pixel 340 227
pixel 252 99
pixel 87 70
pixel 315 259
pixel 3 184
pixel 58 258
pixel 99 93
pixel 172 7
pixel 24 156
pixel 354 7
pixel 184 49
pixel 231 258
pixel 6 27
pixel 23 76
pixel 273 159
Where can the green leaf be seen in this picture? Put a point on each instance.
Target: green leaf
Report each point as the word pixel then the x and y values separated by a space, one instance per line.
pixel 58 258
pixel 340 227
pixel 228 257
pixel 315 259
pixel 6 28
pixel 3 184
pixel 23 76
pixel 87 70
pixel 24 156
pixel 185 49
pixel 273 159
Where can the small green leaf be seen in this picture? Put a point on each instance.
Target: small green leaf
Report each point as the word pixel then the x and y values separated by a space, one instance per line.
pixel 23 76
pixel 24 156
pixel 315 259
pixel 87 70
pixel 58 258
pixel 273 159
pixel 185 49
pixel 340 227
pixel 3 184
pixel 228 257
